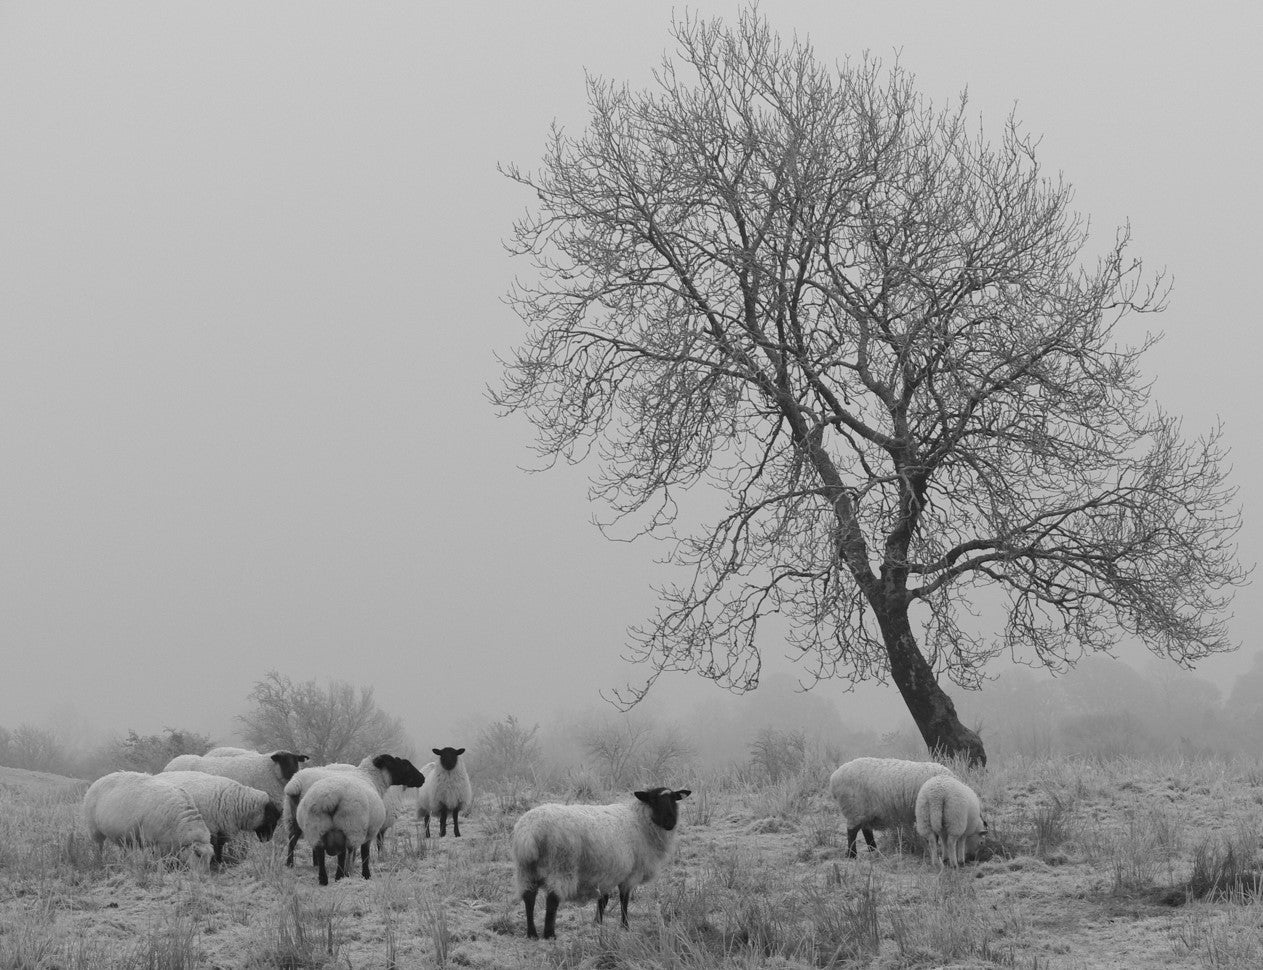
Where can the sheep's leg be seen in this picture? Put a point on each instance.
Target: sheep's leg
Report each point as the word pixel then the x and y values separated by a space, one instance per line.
pixel 528 899
pixel 551 901
pixel 624 897
pixel 427 825
pixel 442 821
pixel 850 841
pixel 455 823
pixel 294 834
pixel 601 902
pixel 381 841
pixel 868 837
pixel 218 841
pixel 319 855
pixel 364 860
pixel 343 864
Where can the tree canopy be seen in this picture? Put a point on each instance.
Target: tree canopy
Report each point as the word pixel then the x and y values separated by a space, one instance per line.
pixel 883 338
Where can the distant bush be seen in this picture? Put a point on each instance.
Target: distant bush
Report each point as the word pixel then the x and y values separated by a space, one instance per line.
pixel 508 751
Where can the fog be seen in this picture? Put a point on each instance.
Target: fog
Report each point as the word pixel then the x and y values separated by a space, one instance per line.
pixel 251 283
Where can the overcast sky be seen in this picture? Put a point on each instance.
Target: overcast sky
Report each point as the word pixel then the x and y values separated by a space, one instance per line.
pixel 250 290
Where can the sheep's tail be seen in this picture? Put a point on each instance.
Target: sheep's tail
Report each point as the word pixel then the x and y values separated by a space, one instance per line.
pixel 526 851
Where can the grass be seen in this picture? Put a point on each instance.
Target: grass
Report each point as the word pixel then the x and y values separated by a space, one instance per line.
pixel 760 881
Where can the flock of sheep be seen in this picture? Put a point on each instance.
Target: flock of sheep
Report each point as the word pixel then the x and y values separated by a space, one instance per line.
pixel 572 852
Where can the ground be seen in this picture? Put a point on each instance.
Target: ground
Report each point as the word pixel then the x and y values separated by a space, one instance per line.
pixel 1094 864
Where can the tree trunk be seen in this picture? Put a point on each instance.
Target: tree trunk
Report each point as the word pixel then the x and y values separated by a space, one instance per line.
pixel 930 707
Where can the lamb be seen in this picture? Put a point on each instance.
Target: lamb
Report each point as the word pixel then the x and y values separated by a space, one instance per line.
pixel 879 793
pixel 133 807
pixel 949 818
pixel 446 790
pixel 266 772
pixel 227 807
pixel 581 852
pixel 342 808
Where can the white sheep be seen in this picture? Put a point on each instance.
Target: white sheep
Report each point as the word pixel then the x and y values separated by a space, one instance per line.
pixel 227 752
pixel 266 772
pixel 341 809
pixel 446 789
pixel 879 793
pixel 581 852
pixel 949 818
pixel 227 807
pixel 133 807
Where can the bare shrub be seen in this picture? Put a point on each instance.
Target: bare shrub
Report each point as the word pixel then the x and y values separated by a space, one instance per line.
pixel 508 751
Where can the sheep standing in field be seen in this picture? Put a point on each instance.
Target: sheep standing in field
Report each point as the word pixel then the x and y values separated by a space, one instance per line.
pixel 405 772
pixel 226 806
pixel 266 772
pixel 446 789
pixel 581 852
pixel 343 809
pixel 949 818
pixel 132 807
pixel 879 793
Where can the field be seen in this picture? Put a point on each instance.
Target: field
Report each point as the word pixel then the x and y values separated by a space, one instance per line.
pixel 1105 863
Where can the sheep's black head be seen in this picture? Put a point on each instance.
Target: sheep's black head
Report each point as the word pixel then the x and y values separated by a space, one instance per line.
pixel 288 763
pixel 401 770
pixel 448 756
pixel 271 816
pixel 663 805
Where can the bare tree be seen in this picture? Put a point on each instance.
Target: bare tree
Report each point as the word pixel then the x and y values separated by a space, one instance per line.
pixel 881 336
pixel 331 723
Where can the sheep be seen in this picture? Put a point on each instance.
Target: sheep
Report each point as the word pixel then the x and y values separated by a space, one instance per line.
pixel 949 818
pixel 227 807
pixel 227 752
pixel 879 793
pixel 304 779
pixel 581 852
pixel 266 772
pixel 133 807
pixel 342 808
pixel 447 790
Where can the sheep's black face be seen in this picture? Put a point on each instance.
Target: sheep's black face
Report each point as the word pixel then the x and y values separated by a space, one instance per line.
pixel 409 775
pixel 271 816
pixel 448 756
pixel 664 806
pixel 288 762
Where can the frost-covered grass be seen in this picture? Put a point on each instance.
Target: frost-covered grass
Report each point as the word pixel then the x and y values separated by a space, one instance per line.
pixel 1098 863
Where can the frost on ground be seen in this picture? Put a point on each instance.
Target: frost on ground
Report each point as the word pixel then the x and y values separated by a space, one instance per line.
pixel 1093 864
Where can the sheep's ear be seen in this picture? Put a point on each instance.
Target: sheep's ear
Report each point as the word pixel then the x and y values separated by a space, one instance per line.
pixel 644 796
pixel 460 750
pixel 436 750
pixel 682 793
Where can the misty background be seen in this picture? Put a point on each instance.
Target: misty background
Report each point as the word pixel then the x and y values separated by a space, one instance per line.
pixel 250 299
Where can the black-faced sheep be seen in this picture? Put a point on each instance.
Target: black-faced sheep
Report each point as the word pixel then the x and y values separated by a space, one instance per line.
pixel 227 807
pixel 581 852
pixel 266 772
pixel 446 789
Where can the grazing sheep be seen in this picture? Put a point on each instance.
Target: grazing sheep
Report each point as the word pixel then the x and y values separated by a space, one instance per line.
pixel 227 807
pixel 446 789
pixel 879 793
pixel 342 809
pixel 266 772
pixel 227 752
pixel 132 807
pixel 581 852
pixel 949 818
